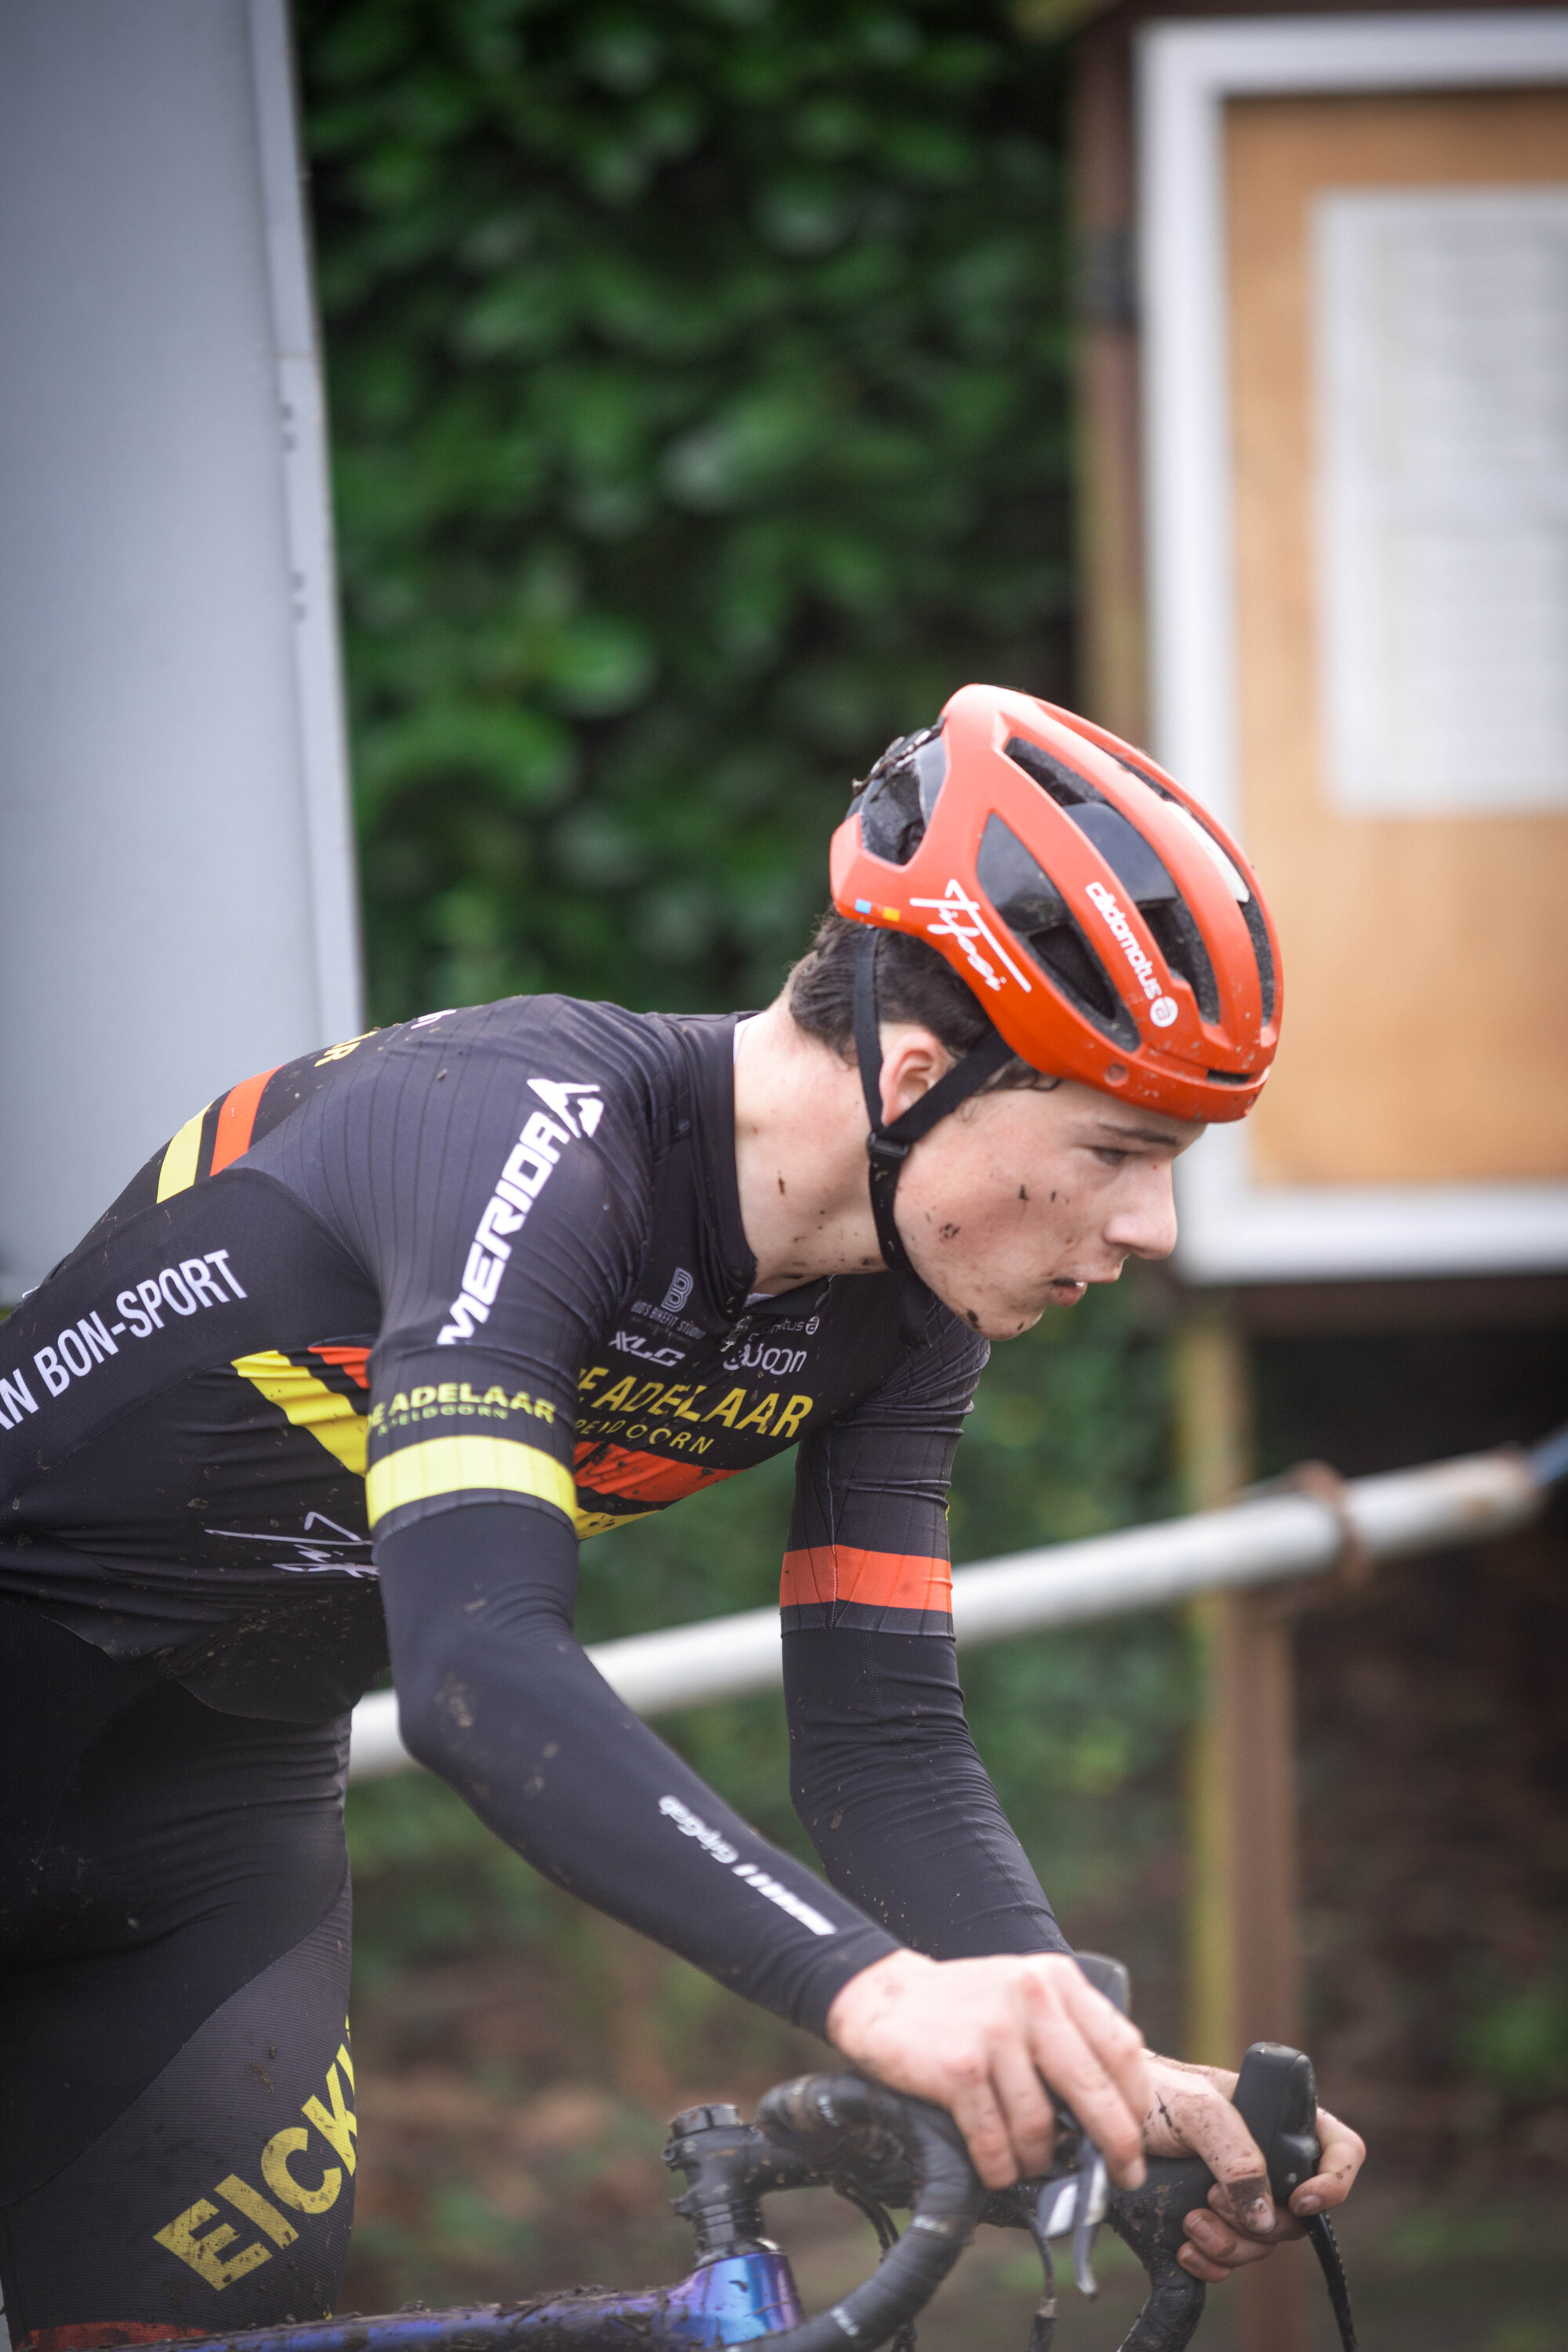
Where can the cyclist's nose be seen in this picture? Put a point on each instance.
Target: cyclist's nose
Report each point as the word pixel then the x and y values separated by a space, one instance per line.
pixel 1142 1223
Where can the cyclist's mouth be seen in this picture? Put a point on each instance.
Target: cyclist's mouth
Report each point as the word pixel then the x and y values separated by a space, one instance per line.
pixel 1065 1291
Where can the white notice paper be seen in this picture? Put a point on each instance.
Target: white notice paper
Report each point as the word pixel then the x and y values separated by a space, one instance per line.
pixel 1441 334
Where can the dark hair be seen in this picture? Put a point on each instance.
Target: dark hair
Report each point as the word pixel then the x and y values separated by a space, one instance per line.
pixel 913 984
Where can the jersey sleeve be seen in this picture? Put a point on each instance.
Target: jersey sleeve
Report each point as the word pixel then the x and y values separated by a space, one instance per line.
pixel 883 1771
pixel 867 1540
pixel 497 1696
pixel 499 1277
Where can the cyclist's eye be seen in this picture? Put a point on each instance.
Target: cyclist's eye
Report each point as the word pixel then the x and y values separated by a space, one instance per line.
pixel 1109 1157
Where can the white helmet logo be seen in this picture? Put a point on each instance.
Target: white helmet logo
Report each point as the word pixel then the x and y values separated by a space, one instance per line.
pixel 1163 1011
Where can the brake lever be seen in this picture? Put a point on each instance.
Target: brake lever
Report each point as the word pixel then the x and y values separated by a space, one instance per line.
pixel 1091 2213
pixel 1076 2202
pixel 1074 2205
pixel 1110 1977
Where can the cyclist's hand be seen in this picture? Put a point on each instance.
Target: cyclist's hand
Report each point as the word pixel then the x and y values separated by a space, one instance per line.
pixel 1190 2114
pixel 985 2038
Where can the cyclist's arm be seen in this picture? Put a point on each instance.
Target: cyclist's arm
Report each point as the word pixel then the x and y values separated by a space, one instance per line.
pixel 900 1810
pixel 497 1697
pixel 470 1494
pixel 886 1778
pixel 883 1771
pixel 888 1783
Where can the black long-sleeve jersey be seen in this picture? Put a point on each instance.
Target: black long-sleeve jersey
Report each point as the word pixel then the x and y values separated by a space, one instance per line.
pixel 439 1302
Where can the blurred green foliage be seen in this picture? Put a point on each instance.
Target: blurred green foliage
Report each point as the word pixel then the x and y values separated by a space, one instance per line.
pixel 1515 2038
pixel 697 371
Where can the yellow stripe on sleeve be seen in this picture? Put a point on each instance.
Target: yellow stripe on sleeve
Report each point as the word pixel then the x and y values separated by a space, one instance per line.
pixel 178 1173
pixel 451 1465
pixel 308 1405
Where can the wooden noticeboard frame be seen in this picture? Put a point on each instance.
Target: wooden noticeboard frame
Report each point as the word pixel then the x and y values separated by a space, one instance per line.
pixel 1391 1142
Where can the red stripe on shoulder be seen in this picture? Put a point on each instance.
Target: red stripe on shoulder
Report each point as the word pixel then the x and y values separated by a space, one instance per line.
pixel 236 1119
pixel 352 1360
pixel 635 1477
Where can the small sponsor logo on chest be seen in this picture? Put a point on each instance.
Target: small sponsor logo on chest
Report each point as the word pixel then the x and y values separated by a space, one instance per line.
pixel 632 1343
pixel 754 1357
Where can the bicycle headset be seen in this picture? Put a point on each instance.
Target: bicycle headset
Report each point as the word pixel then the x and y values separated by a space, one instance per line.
pixel 1111 929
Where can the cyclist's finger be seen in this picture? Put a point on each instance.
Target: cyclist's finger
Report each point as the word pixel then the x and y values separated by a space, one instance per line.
pixel 1199 2264
pixel 974 2108
pixel 1211 2249
pixel 1076 2074
pixel 1344 2153
pixel 1114 2039
pixel 1212 2129
pixel 1025 2105
pixel 1222 2218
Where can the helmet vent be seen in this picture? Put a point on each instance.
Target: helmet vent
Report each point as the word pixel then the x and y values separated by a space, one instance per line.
pixel 892 823
pixel 1257 930
pixel 1065 788
pixel 1132 858
pixel 901 793
pixel 1251 915
pixel 1037 914
pixel 1142 775
pixel 1181 943
pixel 1136 862
pixel 1066 957
pixel 1016 883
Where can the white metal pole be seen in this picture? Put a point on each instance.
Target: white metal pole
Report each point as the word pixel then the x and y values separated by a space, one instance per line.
pixel 1264 1540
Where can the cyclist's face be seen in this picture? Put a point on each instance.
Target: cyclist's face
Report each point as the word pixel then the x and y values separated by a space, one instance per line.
pixel 1022 1199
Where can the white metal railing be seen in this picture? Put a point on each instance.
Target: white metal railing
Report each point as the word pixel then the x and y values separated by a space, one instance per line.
pixel 1261 1539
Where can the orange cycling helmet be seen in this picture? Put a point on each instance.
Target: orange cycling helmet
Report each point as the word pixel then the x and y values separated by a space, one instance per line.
pixel 1112 931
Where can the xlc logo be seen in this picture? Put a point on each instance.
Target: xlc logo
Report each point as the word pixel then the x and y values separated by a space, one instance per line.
pixel 679 1291
pixel 1163 1010
pixel 962 920
pixel 632 1343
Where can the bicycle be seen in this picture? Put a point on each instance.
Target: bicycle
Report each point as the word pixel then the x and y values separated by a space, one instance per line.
pixel 879 2151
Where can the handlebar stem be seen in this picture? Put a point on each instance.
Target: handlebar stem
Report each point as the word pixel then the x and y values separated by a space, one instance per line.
pixel 718 2154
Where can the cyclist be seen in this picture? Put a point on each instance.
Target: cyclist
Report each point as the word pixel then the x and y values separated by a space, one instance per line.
pixel 356 1360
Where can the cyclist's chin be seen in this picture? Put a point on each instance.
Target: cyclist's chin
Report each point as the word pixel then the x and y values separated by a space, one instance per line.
pixel 1000 1315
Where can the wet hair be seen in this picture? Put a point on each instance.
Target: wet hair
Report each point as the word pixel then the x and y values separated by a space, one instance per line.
pixel 913 984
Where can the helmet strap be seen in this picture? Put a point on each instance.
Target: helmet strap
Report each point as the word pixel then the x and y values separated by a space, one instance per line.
pixel 889 1145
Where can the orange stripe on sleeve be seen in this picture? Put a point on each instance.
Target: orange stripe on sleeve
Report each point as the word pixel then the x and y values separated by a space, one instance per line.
pixel 238 1117
pixel 875 1579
